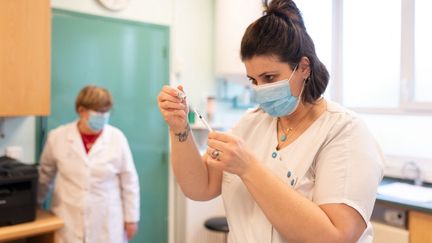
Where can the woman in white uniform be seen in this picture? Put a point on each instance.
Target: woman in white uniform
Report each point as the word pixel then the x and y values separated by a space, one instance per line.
pixel 296 169
pixel 90 166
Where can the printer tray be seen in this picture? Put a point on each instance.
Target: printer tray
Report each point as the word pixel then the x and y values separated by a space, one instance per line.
pixel 19 215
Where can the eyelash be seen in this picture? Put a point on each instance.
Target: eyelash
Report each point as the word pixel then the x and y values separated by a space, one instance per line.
pixel 269 77
pixel 266 78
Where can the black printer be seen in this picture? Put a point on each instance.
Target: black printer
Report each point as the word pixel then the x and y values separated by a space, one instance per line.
pixel 18 191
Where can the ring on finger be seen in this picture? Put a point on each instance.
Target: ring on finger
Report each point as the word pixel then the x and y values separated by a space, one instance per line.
pixel 215 154
pixel 181 95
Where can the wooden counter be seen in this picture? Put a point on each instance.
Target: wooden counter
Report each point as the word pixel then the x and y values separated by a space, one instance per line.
pixel 39 231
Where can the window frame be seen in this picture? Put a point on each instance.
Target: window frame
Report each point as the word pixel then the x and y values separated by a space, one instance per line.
pixel 407 103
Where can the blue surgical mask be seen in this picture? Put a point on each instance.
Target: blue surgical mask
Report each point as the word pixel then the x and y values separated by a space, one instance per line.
pixel 276 98
pixel 98 120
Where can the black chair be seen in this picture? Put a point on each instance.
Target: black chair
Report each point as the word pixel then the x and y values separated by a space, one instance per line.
pixel 218 224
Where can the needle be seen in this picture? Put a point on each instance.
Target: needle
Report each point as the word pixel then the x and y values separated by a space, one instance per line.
pixel 203 120
pixel 182 96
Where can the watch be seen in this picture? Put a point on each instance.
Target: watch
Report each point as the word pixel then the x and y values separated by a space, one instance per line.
pixel 115 5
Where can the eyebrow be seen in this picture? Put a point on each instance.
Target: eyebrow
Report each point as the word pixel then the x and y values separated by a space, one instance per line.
pixel 264 73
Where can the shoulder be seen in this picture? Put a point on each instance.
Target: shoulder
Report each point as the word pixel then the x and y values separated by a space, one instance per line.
pixel 254 118
pixel 114 130
pixel 255 115
pixel 62 129
pixel 350 138
pixel 344 121
pixel 115 134
pixel 349 151
pixel 336 110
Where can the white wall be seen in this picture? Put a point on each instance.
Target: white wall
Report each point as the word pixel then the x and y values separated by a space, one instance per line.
pixel 403 138
pixel 158 12
pixel 19 131
pixel 192 47
pixel 229 28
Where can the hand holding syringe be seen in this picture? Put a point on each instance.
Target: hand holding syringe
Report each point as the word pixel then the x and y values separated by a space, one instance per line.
pixel 182 96
pixel 216 153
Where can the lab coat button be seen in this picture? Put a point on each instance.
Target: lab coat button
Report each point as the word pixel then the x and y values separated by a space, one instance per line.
pixel 274 154
pixel 289 174
pixel 293 182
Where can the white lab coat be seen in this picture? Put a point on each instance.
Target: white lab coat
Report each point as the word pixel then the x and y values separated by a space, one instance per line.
pixel 93 193
pixel 336 160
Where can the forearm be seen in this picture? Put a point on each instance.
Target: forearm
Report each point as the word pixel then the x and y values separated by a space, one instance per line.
pixel 191 172
pixel 46 178
pixel 288 211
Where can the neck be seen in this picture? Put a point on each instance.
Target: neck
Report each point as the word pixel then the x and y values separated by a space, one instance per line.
pixel 303 111
pixel 290 127
pixel 299 114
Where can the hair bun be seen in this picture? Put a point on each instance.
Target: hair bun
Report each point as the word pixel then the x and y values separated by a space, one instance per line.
pixel 285 9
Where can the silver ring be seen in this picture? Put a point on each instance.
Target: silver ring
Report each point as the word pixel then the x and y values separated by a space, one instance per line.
pixel 215 154
pixel 181 95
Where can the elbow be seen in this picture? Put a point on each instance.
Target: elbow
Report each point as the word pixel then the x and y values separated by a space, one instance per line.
pixel 202 195
pixel 333 236
pixel 199 198
pixel 342 237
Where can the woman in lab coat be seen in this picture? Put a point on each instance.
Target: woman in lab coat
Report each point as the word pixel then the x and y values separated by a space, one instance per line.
pixel 90 166
pixel 297 169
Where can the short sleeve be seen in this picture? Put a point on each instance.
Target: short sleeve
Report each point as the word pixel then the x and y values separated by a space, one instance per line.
pixel 349 167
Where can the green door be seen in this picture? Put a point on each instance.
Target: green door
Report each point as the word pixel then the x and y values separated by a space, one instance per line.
pixel 131 60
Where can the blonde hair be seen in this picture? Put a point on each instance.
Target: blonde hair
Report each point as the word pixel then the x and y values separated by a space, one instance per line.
pixel 94 98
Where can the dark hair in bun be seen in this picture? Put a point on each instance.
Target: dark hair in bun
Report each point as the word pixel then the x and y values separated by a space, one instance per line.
pixel 281 32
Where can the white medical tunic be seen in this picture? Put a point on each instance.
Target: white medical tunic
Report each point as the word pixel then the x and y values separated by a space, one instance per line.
pixel 336 160
pixel 94 193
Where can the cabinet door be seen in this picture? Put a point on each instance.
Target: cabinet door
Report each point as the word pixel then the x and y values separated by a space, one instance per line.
pixel 420 225
pixel 25 57
pixel 231 20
